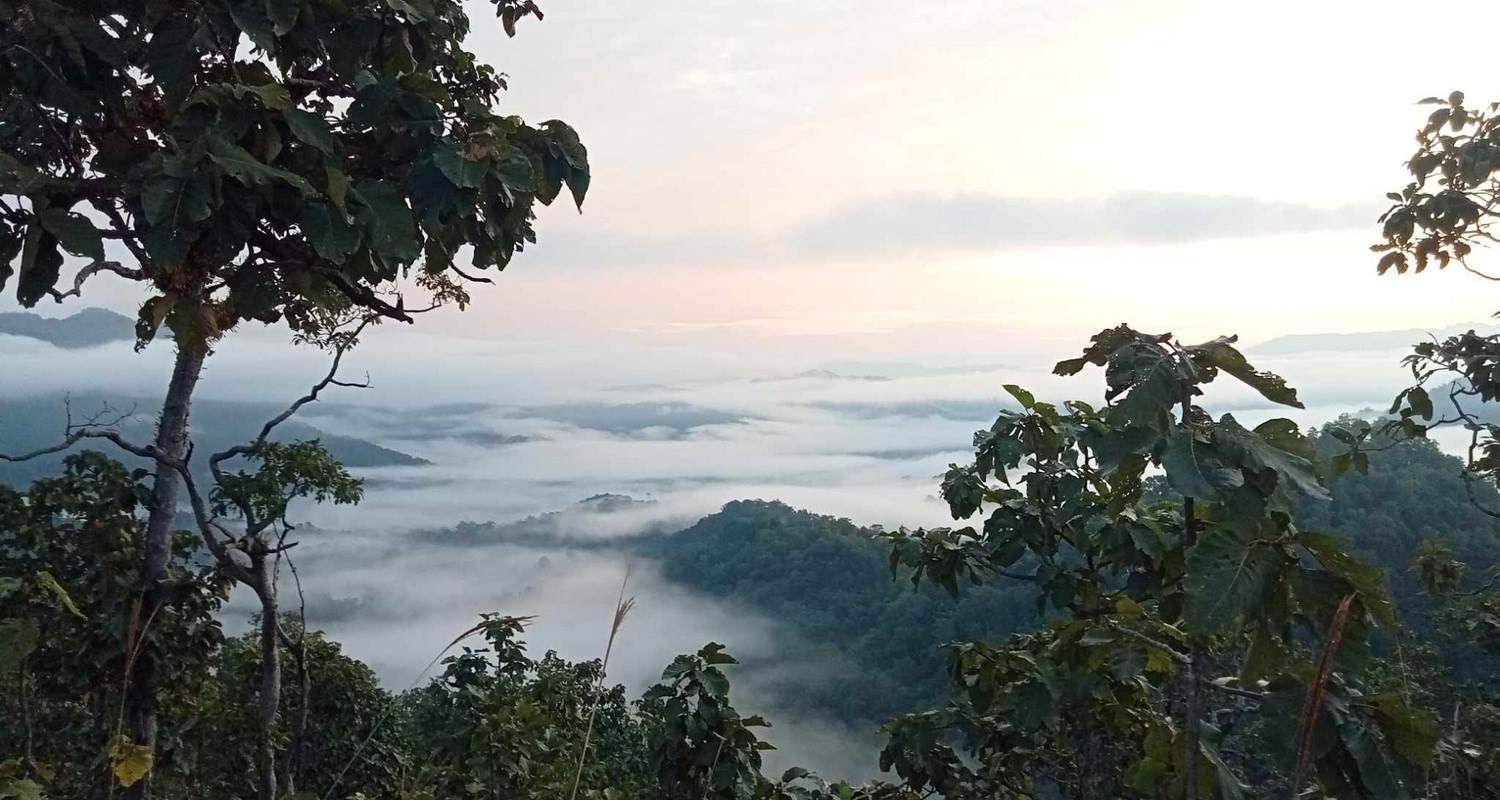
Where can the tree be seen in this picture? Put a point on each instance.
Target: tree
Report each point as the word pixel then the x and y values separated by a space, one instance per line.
pixel 306 162
pixel 351 731
pixel 498 723
pixel 69 550
pixel 1447 208
pixel 1172 621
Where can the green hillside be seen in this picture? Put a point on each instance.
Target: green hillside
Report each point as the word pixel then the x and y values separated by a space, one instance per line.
pixel 828 580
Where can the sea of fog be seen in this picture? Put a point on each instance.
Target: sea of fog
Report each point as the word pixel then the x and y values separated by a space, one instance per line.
pixel 516 429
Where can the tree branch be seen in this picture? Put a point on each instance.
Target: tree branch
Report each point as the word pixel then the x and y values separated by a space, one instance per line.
pixel 1234 690
pixel 265 432
pixel 92 270
pixel 1181 658
pixel 76 436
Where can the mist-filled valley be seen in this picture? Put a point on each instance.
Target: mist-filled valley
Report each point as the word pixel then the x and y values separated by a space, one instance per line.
pixel 545 508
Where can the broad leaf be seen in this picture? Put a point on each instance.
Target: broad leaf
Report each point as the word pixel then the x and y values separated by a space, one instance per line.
pixel 18 637
pixel 129 762
pixel 1248 449
pixel 1025 398
pixel 331 235
pixel 1221 354
pixel 1181 462
pixel 312 130
pixel 463 172
pixel 75 232
pixel 249 170
pixel 283 15
pixel 1227 572
pixel 1367 579
pixel 41 264
pixel 388 222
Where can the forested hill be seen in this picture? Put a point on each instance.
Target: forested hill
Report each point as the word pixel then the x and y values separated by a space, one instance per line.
pixel 1412 492
pixel 829 580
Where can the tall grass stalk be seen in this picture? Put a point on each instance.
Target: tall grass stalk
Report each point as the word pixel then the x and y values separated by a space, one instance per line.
pixel 623 606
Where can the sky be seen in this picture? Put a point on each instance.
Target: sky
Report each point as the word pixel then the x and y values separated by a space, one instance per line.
pixel 810 177
pixel 795 169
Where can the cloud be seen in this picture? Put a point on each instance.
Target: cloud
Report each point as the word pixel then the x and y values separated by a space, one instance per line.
pixel 604 248
pixel 894 226
pixel 973 222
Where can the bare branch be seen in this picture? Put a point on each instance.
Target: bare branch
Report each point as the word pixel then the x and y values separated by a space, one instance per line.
pixel 1234 690
pixel 329 379
pixel 1180 657
pixel 210 530
pixel 76 436
pixel 467 276
pixel 92 270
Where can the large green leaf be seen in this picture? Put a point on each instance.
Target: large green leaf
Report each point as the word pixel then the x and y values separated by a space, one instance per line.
pixel 1190 466
pixel 172 201
pixel 388 221
pixel 1101 347
pixel 465 173
pixel 251 18
pixel 283 15
pixel 75 232
pixel 1222 777
pixel 1152 387
pixel 41 264
pixel 312 130
pixel 1248 449
pixel 1367 579
pixel 1376 771
pixel 1283 434
pixel 333 237
pixel 18 637
pixel 248 169
pixel 1227 573
pixel 1221 354
pixel 1113 445
pixel 172 53
pixel 1412 732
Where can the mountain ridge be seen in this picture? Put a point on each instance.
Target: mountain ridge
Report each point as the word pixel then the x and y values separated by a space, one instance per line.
pixel 89 327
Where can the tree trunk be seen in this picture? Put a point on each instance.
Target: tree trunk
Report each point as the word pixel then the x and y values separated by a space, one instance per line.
pixel 171 440
pixel 1193 714
pixel 270 674
pixel 1194 711
pixel 291 761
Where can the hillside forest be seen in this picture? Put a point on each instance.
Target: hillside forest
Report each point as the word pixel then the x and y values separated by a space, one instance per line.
pixel 1140 596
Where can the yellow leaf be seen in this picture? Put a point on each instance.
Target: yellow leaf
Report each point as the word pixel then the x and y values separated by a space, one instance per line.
pixel 129 762
pixel 1128 609
pixel 21 789
pixel 1157 660
pixel 45 580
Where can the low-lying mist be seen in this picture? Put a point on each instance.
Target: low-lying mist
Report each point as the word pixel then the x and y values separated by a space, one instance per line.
pixel 513 430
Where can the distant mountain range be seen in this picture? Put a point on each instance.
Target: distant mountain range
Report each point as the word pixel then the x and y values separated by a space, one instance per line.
pixel 90 327
pixel 31 423
pixel 1364 342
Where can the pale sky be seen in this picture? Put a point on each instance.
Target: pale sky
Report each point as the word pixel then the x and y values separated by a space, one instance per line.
pixel 830 179
pixel 793 167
